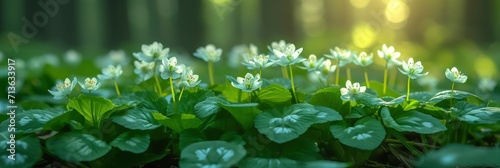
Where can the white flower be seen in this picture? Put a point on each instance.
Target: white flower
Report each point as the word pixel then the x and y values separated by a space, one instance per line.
pixel 312 63
pixel 288 56
pixel 90 84
pixel 144 69
pixel 487 84
pixel 350 90
pixel 209 53
pixel 363 59
pixel 247 84
pixel 153 52
pixel 389 54
pixel 455 76
pixel 413 70
pixel 111 72
pixel 242 53
pixel 344 56
pixel 118 57
pixel 280 46
pixel 72 57
pixel 326 67
pixel 258 62
pixel 170 69
pixel 188 79
pixel 63 88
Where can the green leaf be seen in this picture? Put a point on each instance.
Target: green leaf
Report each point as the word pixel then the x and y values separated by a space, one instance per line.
pixel 136 119
pixel 326 163
pixel 325 114
pixel 268 163
pixel 410 105
pixel 23 152
pixel 411 121
pixel 94 109
pixel 327 97
pixel 300 149
pixel 284 125
pixel 62 120
pixel 178 122
pixel 367 134
pixel 31 120
pixel 273 94
pixel 456 94
pixel 378 87
pixel 243 113
pixel 472 114
pixel 189 100
pixel 208 107
pixel 421 96
pixel 76 147
pixel 459 155
pixel 368 99
pixel 135 142
pixel 231 93
pixel 279 81
pixel 212 154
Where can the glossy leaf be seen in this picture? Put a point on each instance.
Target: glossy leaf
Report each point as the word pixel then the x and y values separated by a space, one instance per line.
pixel 367 134
pixel 94 109
pixel 243 113
pixel 178 122
pixel 136 119
pixel 134 142
pixel 76 147
pixel 411 121
pixel 19 152
pixel 212 154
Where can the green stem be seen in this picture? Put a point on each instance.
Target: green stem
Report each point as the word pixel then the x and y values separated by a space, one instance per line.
pixel 424 140
pixel 385 78
pixel 293 85
pixel 211 73
pixel 405 143
pixel 366 79
pixel 464 134
pixel 392 77
pixel 408 89
pixel 158 86
pixel 338 74
pixel 172 89
pixel 116 88
pixel 451 97
pixel 284 72
pixel 182 91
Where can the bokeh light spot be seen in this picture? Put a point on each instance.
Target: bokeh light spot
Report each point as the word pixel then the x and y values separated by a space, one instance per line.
pixel 485 67
pixel 363 35
pixel 359 3
pixel 397 11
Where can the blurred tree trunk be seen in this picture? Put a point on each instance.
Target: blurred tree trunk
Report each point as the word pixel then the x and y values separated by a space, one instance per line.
pixel 91 24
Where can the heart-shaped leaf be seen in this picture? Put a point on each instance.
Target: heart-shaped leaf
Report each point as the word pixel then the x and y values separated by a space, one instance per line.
pixel 268 162
pixel 325 114
pixel 327 97
pixel 31 120
pixel 178 122
pixel 208 106
pixel 456 94
pixel 93 108
pixel 212 154
pixel 367 134
pixel 135 142
pixel 412 121
pixel 136 119
pixel 284 125
pixel 368 99
pixel 472 114
pixel 273 94
pixel 76 147
pixel 23 152
pixel 243 113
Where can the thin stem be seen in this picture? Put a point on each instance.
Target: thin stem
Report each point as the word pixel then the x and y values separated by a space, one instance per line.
pixel 338 74
pixel 260 74
pixel 348 73
pixel 293 85
pixel 182 91
pixel 172 88
pixel 158 86
pixel 406 143
pixel 366 79
pixel 116 88
pixel 284 72
pixel 408 89
pixel 385 78
pixel 424 140
pixel 211 73
pixel 410 142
